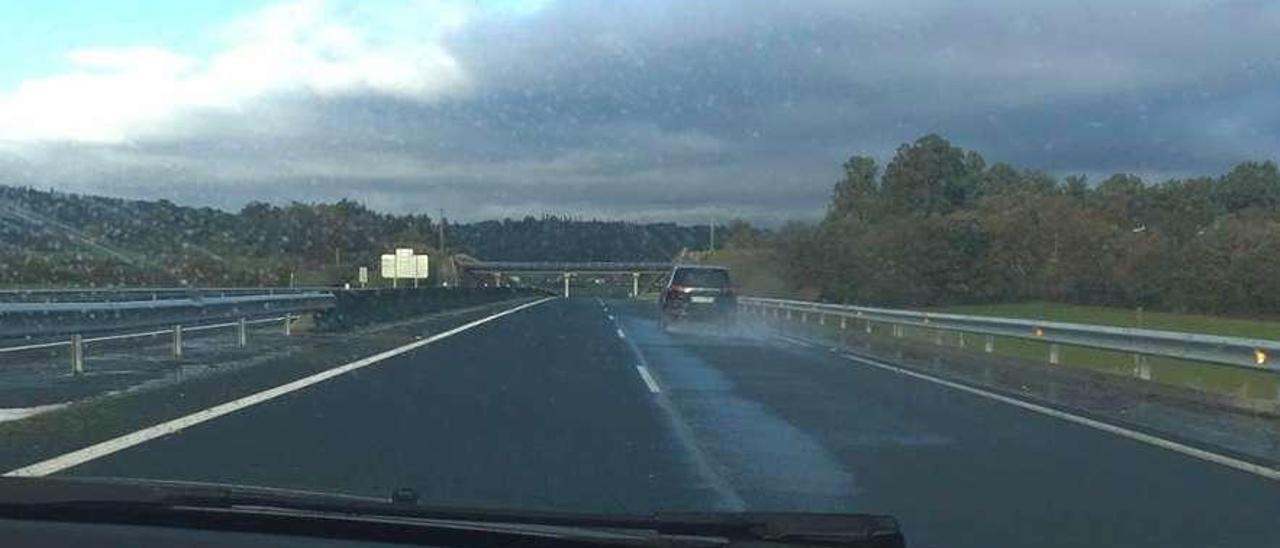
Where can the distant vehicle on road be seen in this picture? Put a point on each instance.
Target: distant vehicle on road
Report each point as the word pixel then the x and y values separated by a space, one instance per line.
pixel 698 293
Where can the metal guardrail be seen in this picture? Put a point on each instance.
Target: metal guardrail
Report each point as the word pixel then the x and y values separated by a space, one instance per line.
pixel 51 295
pixel 77 342
pixel 50 319
pixel 75 318
pixel 1255 354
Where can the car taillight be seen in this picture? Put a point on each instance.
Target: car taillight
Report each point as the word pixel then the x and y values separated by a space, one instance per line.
pixel 680 289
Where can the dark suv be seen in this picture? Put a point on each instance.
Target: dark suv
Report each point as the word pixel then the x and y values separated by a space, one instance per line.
pixel 698 292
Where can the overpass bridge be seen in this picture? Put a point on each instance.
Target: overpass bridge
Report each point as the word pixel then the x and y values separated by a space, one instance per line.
pixel 472 271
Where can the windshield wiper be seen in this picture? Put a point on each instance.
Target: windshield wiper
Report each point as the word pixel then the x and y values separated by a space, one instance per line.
pixel 234 507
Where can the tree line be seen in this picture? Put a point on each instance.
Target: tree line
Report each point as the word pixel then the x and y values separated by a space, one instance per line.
pixel 937 225
pixel 50 238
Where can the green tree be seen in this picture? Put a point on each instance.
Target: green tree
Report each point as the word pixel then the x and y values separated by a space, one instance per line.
pixel 1001 178
pixel 1120 197
pixel 1076 186
pixel 855 195
pixel 929 177
pixel 1250 184
pixel 741 235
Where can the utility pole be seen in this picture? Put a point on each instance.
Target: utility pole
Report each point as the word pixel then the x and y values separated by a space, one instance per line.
pixel 443 253
pixel 441 226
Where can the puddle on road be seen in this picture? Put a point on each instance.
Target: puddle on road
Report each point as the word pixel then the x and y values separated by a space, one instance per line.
pixel 770 463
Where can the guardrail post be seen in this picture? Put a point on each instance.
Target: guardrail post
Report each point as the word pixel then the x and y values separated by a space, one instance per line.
pixel 961 339
pixel 844 323
pixel 177 340
pixel 822 319
pixel 566 285
pixel 1142 371
pixel 242 333
pixel 788 313
pixel 77 355
pixel 1139 360
pixel 1054 354
pixel 288 325
pixel 897 331
pixel 868 327
pixel 635 285
pixel 990 345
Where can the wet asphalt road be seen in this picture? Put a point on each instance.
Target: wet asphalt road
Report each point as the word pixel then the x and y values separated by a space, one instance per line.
pixel 547 409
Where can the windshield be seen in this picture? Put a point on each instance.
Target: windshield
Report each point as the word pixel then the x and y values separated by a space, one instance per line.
pixel 701 277
pixel 1008 272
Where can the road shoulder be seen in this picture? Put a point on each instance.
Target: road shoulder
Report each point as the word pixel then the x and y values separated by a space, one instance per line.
pixel 104 417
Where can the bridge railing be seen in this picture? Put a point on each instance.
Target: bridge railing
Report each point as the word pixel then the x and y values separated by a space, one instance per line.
pixel 1256 354
pixel 568 270
pixel 564 266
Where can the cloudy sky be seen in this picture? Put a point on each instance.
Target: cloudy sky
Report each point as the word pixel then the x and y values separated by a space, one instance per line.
pixel 648 110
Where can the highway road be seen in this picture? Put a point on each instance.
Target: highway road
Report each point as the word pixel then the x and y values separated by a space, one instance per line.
pixel 583 404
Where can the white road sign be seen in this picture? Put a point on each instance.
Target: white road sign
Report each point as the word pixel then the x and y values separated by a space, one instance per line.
pixel 389 266
pixel 423 265
pixel 364 275
pixel 405 264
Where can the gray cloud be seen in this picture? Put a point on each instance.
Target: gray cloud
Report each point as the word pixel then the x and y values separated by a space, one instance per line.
pixel 659 111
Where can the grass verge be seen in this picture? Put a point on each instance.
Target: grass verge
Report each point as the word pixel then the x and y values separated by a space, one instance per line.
pixel 1219 379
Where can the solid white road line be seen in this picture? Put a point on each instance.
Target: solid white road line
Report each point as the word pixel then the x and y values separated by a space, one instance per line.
pixel 126 441
pixel 648 379
pixel 1209 456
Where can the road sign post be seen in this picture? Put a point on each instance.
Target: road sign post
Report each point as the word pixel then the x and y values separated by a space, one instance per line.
pixel 77 354
pixel 177 340
pixel 364 276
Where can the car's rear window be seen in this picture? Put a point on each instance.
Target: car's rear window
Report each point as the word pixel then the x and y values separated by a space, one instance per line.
pixel 702 277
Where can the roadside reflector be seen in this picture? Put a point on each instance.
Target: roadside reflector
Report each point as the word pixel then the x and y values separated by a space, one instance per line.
pixel 1039 332
pixel 1260 356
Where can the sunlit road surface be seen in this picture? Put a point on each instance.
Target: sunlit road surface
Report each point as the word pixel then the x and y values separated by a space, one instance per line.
pixel 586 405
